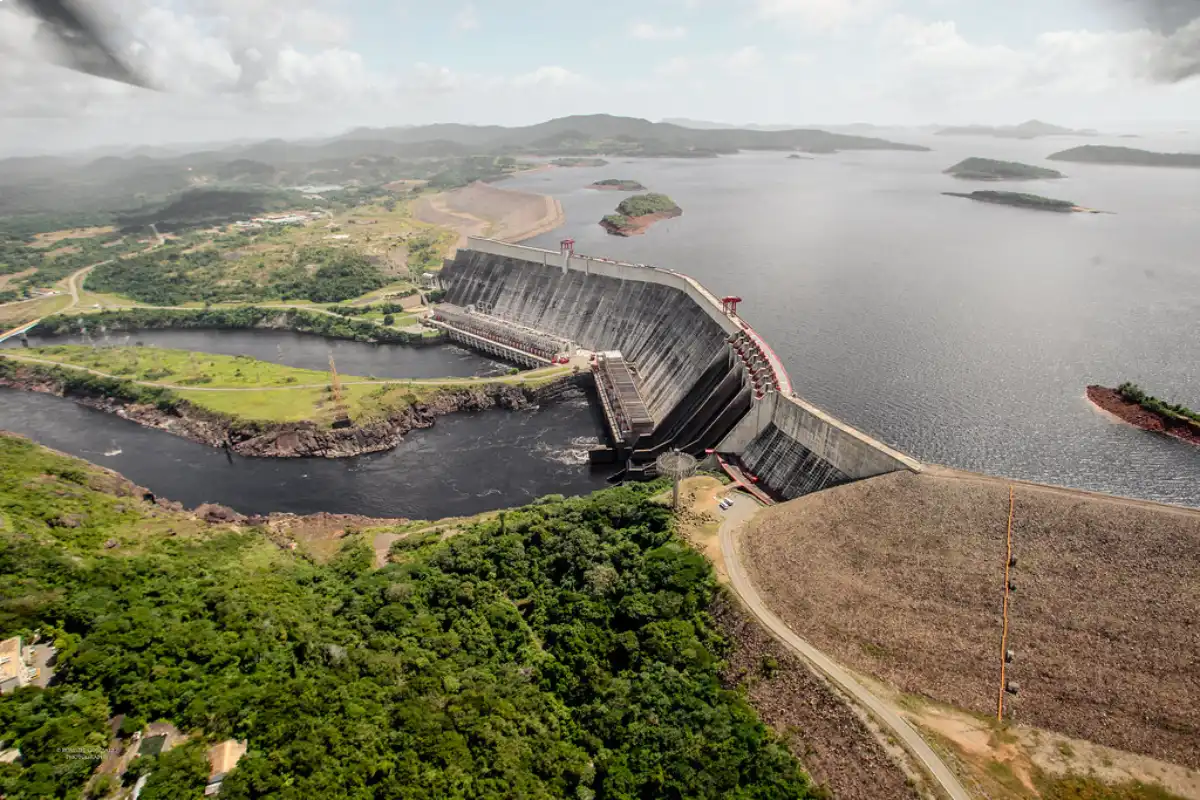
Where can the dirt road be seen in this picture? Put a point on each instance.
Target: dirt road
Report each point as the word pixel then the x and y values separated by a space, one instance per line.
pixel 735 520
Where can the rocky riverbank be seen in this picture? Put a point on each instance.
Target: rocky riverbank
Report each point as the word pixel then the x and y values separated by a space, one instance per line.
pixel 295 439
pixel 1110 400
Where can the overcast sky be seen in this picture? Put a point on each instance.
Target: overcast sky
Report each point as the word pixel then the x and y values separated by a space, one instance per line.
pixel 257 68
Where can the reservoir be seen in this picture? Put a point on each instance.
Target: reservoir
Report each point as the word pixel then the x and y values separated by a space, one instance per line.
pixel 960 333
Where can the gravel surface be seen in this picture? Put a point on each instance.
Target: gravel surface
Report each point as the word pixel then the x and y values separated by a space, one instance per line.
pixel 901 577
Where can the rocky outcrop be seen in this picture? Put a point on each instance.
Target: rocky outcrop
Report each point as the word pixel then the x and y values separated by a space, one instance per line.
pixel 301 439
pixel 1110 400
pixel 636 226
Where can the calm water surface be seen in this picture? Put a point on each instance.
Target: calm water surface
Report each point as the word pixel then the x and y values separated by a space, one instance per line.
pixel 305 351
pixel 465 464
pixel 960 332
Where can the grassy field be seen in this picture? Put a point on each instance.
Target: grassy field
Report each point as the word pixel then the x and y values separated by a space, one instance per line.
pixel 13 314
pixel 249 389
pixel 182 368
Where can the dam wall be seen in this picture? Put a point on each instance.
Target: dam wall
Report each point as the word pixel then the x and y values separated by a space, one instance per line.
pixel 707 378
pixel 651 316
pixel 796 448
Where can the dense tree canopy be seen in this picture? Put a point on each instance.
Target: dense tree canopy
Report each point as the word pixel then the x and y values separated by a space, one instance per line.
pixel 174 276
pixel 562 650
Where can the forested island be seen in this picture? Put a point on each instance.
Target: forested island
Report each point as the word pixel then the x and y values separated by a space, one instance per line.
pixel 989 169
pixel 635 214
pixel 619 185
pixel 1129 156
pixel 1021 200
pixel 1133 405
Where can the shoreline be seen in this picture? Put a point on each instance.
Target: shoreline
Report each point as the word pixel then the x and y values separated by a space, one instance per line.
pixel 1110 402
pixel 473 219
pixel 639 225
pixel 257 439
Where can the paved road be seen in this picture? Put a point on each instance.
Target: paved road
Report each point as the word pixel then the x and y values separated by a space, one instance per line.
pixel 293 386
pixel 734 520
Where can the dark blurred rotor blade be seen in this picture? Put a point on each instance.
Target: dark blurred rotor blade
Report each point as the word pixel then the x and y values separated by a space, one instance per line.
pixel 81 42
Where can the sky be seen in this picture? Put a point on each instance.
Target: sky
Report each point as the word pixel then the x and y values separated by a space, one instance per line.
pixel 252 69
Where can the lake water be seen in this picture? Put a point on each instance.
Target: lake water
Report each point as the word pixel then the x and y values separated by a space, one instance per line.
pixel 959 332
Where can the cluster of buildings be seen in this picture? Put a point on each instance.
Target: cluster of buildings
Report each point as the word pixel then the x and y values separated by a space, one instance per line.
pixel 297 218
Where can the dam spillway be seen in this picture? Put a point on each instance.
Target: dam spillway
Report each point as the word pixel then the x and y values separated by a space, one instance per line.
pixel 706 380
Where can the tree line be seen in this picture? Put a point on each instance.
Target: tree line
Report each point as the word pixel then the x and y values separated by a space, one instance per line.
pixel 560 650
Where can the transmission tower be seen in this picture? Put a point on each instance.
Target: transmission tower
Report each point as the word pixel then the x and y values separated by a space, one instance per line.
pixel 341 417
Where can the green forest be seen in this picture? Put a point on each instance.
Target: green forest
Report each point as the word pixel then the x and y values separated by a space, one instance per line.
pixel 245 317
pixel 1132 393
pixel 174 276
pixel 52 264
pixel 642 204
pixel 560 650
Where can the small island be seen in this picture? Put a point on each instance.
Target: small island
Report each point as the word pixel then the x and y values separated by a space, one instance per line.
pixel 989 169
pixel 618 185
pixel 635 214
pixel 1132 405
pixel 579 162
pixel 1023 200
pixel 798 157
pixel 1126 156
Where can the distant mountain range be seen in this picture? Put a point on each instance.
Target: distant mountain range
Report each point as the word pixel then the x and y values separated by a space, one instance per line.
pixel 704 125
pixel 1026 130
pixel 445 153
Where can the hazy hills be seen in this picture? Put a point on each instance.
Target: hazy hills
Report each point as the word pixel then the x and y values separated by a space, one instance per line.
pixel 1026 130
pixel 445 153
pixel 1105 154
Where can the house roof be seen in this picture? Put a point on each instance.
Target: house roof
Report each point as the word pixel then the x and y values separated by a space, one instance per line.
pixel 10 658
pixel 224 756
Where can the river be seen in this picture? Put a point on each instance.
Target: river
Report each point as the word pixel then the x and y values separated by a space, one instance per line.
pixel 959 332
pixel 304 351
pixel 466 463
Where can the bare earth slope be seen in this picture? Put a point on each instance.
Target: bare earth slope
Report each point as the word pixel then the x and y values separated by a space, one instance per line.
pixel 901 576
pixel 485 210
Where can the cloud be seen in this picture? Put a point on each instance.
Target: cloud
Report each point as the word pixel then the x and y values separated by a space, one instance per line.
pixel 551 76
pixel 467 19
pixel 1172 51
pixel 821 15
pixel 676 67
pixel 649 31
pixel 744 60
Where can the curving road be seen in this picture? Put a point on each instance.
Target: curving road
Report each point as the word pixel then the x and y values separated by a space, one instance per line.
pixel 734 520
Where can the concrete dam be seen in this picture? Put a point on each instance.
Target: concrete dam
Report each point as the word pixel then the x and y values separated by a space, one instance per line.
pixel 675 367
